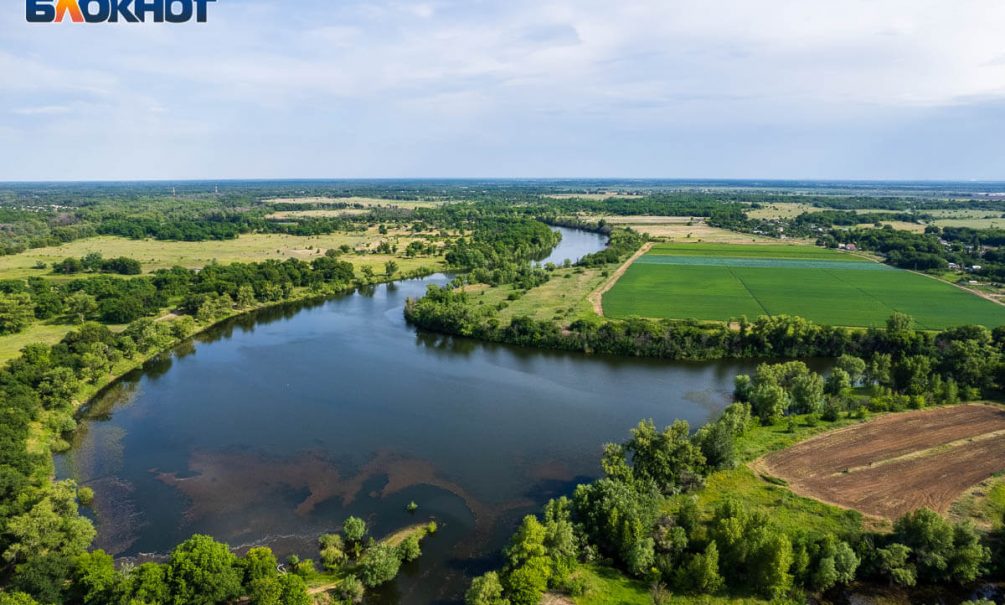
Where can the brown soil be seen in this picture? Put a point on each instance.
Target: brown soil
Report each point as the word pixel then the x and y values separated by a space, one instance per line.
pixel 897 463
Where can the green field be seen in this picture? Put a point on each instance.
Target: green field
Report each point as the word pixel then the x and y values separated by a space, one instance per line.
pixel 724 282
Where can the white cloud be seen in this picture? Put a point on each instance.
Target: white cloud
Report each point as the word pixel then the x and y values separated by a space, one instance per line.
pixel 456 71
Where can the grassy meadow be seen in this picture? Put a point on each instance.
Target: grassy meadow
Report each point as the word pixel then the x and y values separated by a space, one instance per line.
pixel 724 282
pixel 563 298
pixel 156 255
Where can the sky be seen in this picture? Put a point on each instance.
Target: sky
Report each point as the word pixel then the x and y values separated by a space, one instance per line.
pixel 828 89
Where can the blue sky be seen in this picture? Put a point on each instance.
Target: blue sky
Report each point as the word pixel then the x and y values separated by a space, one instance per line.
pixel 908 89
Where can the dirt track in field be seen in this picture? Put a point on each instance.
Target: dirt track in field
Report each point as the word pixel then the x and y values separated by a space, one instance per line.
pixel 897 463
pixel 596 297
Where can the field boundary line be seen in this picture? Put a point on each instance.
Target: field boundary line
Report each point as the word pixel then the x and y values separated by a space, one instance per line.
pixel 863 292
pixel 762 469
pixel 977 293
pixel 596 298
pixel 749 291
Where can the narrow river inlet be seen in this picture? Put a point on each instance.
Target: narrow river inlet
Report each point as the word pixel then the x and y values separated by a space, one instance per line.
pixel 273 428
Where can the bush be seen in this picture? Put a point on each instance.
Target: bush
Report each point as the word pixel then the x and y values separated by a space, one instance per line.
pixel 85 496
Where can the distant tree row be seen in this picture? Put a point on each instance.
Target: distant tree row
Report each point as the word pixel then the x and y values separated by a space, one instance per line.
pixel 96 263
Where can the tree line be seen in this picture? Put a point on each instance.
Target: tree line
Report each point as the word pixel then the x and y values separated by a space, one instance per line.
pixel 202 571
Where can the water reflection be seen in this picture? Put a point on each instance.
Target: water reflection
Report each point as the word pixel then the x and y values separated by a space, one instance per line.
pixel 272 428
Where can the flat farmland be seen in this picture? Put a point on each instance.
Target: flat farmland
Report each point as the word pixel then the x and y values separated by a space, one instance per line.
pixel 897 463
pixel 718 282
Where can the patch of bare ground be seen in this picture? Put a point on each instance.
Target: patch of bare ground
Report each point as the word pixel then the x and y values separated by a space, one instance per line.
pixel 897 463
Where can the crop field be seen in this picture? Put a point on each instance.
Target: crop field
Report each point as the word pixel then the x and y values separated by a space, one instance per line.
pixel 718 282
pixel 897 463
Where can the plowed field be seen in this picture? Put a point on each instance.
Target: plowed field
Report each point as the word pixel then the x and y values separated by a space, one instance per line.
pixel 897 463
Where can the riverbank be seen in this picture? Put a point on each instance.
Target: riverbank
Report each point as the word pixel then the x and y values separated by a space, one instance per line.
pixel 328 581
pixel 43 440
pixel 745 504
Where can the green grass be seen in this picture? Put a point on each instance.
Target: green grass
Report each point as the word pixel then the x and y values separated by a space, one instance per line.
pixel 785 511
pixel 193 255
pixel 47 333
pixel 825 286
pixel 984 504
pixel 562 298
pixel 606 586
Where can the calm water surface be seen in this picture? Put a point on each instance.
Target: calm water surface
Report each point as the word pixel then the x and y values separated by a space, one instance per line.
pixel 275 427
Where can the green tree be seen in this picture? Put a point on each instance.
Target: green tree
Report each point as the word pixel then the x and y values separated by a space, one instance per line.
pixel 807 393
pixel 287 589
pixel 485 590
pixel 970 558
pixel 526 584
pixel 838 382
pixel 390 268
pixel 618 518
pixel 911 375
pixel 560 538
pixel 148 584
pixel 528 567
pixel 294 590
pixel 668 458
pixel 836 564
pixel 43 542
pixel 354 529
pixel 202 571
pixel 409 549
pixel 57 388
pixel 930 539
pixel 245 297
pixel 853 366
pixel 350 590
pixel 527 543
pixel 771 564
pixel 893 562
pixel 94 579
pixel 879 369
pixel 16 598
pixel 333 552
pixel 701 573
pixel 259 563
pixel 265 591
pixel 379 564
pixel 769 402
pixel 81 306
pixel 16 312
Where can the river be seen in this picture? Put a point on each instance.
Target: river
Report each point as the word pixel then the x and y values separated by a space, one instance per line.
pixel 274 427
